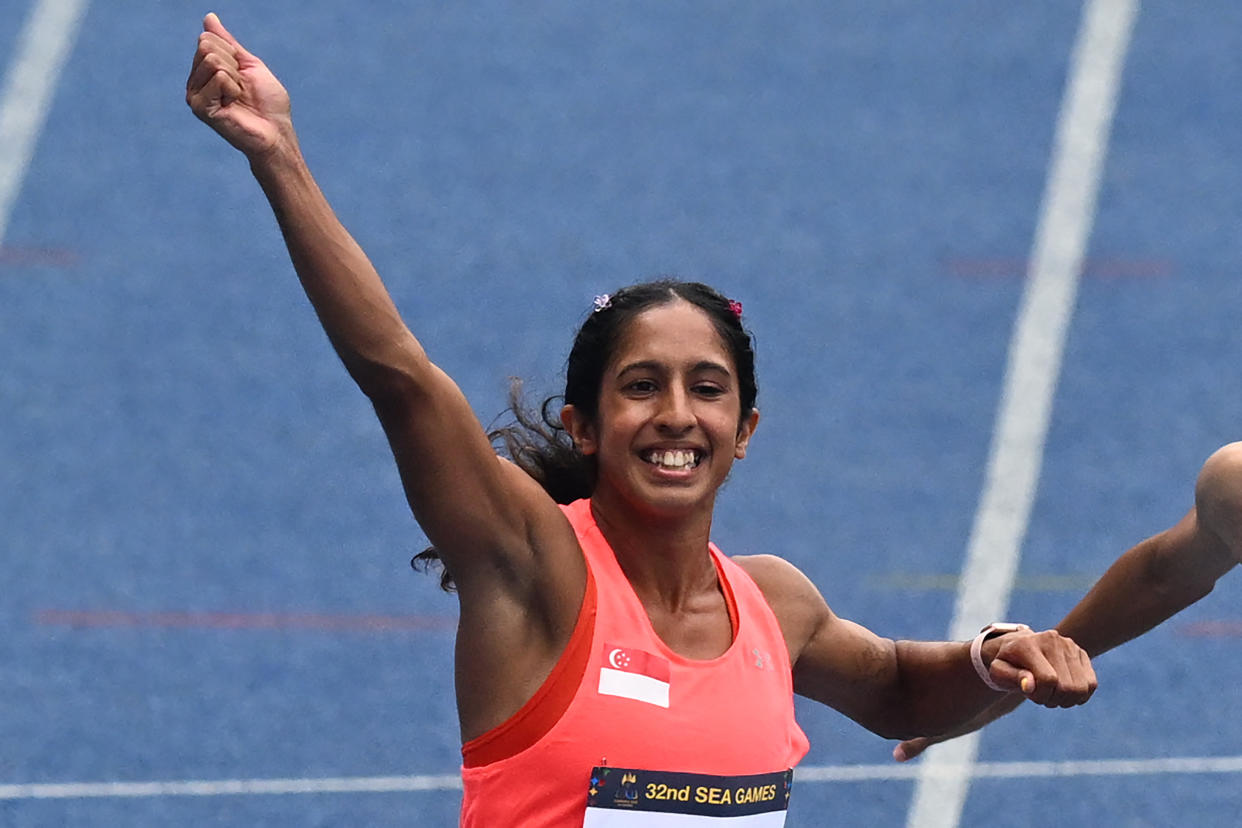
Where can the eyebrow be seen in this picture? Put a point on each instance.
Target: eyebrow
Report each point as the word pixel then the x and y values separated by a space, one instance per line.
pixel 702 366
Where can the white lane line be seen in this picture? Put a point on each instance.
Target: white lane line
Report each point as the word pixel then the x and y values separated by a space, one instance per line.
pixel 452 782
pixel 1029 770
pixel 231 787
pixel 1016 453
pixel 42 48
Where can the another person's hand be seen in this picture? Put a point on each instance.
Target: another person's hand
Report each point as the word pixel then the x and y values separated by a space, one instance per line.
pixel 1046 667
pixel 234 93
pixel 911 748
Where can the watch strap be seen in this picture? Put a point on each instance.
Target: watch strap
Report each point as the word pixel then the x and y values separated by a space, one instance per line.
pixel 976 650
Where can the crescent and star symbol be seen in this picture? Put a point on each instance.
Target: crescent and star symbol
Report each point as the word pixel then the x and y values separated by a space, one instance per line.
pixel 619 659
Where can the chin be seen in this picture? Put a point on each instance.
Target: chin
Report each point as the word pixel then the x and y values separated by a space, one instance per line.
pixel 669 502
pixel 638 493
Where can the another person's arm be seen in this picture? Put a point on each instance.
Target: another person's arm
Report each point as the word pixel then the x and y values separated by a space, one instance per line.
pixel 1151 582
pixel 1170 571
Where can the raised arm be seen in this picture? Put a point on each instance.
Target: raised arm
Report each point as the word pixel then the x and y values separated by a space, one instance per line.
pixel 901 689
pixel 515 560
pixel 1151 582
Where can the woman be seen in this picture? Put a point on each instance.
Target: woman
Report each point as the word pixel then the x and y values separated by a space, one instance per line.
pixel 609 659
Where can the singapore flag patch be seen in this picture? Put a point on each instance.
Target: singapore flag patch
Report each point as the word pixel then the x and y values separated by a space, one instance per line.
pixel 634 674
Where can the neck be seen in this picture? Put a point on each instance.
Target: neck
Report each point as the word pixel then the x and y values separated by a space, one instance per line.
pixel 665 558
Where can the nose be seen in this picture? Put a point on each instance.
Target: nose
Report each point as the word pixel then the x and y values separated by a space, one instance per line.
pixel 676 414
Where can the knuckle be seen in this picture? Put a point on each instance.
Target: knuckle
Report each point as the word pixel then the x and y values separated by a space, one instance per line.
pixel 1051 638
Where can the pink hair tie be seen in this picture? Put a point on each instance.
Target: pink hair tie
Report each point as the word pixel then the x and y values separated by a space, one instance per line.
pixel 736 307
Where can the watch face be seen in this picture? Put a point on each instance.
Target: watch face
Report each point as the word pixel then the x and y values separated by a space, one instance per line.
pixel 1002 627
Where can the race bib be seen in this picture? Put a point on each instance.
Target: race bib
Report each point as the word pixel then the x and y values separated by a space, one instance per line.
pixel 626 798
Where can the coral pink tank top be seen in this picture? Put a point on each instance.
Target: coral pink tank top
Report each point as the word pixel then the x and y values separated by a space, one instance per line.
pixel 624 726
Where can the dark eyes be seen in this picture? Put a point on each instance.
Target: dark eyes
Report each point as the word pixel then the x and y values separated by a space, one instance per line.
pixel 702 389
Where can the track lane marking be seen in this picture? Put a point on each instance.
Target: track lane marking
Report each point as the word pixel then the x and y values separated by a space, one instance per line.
pixel 42 48
pixel 452 782
pixel 1016 453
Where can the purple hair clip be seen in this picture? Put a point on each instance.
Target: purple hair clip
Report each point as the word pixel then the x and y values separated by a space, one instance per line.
pixel 736 307
pixel 602 302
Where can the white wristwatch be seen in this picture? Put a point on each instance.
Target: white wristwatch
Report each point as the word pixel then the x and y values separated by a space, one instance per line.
pixel 976 650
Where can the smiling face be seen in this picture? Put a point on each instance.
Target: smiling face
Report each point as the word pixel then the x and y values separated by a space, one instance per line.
pixel 667 429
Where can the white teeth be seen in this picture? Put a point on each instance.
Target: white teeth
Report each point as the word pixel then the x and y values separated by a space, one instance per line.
pixel 673 459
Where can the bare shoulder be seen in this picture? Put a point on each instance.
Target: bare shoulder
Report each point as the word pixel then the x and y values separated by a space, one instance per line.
pixel 1218 501
pixel 532 578
pixel 797 603
pixel 549 553
pixel 1220 479
pixel 773 572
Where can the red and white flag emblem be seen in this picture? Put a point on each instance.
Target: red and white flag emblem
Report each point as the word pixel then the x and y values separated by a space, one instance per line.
pixel 634 674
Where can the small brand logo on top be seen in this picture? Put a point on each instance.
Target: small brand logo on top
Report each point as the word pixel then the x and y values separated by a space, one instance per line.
pixel 763 660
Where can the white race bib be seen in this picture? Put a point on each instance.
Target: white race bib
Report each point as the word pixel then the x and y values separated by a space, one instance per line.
pixel 627 798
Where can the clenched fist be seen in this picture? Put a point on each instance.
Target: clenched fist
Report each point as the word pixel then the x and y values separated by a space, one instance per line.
pixel 234 93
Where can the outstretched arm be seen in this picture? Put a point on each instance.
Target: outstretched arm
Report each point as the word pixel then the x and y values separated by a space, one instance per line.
pixel 1150 583
pixel 901 689
pixel 1167 573
pixel 517 565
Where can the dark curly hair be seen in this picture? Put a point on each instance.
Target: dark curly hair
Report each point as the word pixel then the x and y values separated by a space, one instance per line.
pixel 536 441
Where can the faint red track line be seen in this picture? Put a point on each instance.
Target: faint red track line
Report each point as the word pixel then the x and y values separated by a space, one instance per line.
pixel 1105 269
pixel 1212 629
pixel 96 619
pixel 12 256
